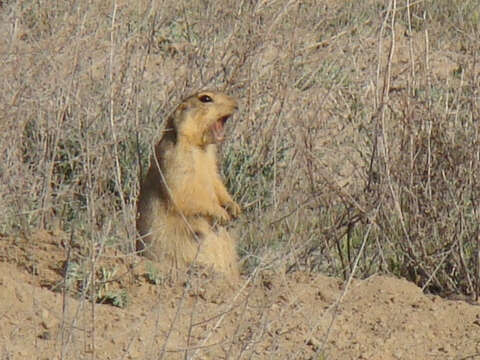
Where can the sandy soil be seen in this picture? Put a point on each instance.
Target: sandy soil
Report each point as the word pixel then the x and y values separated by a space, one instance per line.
pixel 266 316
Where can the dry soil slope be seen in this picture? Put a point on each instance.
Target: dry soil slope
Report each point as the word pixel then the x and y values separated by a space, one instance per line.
pixel 270 316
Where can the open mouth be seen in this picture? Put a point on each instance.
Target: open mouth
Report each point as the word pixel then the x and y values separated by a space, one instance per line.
pixel 218 128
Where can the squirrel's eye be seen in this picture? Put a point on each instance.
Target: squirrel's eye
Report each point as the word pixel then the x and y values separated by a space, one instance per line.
pixel 205 99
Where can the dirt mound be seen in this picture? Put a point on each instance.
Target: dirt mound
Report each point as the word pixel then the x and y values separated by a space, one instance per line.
pixel 268 315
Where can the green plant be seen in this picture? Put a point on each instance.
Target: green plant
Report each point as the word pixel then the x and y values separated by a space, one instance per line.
pixel 154 276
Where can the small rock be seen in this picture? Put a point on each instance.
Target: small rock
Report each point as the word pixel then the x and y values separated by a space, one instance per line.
pixel 48 322
pixel 45 335
pixel 19 294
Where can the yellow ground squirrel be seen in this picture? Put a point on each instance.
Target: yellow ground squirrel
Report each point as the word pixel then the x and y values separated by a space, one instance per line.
pixel 183 199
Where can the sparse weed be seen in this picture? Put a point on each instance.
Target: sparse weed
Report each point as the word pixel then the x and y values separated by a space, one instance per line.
pixel 154 276
pixel 116 297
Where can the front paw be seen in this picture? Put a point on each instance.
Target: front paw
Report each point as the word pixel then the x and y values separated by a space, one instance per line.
pixel 222 216
pixel 234 209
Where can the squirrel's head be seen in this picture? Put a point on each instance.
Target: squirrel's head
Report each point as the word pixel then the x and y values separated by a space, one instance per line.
pixel 200 119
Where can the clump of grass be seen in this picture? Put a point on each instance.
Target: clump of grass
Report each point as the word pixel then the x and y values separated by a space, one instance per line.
pixel 106 295
pixel 153 275
pixel 432 185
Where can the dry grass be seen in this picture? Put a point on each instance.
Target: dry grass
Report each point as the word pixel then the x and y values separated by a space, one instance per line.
pixel 357 137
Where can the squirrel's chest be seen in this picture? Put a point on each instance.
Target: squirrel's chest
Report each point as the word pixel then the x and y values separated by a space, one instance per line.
pixel 204 164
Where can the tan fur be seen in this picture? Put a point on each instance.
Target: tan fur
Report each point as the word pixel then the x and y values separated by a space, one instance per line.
pixel 183 199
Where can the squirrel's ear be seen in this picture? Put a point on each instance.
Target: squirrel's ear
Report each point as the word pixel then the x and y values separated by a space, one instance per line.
pixel 181 107
pixel 179 115
pixel 185 106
